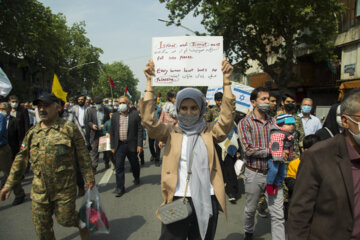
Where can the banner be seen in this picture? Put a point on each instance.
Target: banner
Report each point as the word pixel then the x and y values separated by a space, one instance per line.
pixel 187 61
pixel 5 84
pixel 242 93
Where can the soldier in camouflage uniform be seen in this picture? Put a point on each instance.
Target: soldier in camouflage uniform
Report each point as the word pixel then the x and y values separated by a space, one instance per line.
pixel 51 146
pixel 214 111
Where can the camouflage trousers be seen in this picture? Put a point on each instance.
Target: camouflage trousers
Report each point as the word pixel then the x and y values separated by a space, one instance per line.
pixel 65 215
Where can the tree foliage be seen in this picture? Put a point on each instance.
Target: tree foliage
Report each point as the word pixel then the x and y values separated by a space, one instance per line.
pixel 122 76
pixel 259 29
pixel 41 42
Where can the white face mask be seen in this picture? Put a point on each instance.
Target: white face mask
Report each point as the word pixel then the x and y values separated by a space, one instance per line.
pixel 123 107
pixel 14 104
pixel 355 136
pixel 4 113
pixel 338 117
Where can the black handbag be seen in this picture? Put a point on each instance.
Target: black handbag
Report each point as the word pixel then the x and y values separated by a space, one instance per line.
pixel 179 209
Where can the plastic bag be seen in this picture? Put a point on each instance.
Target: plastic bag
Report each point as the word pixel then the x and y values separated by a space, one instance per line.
pixel 5 84
pixel 91 213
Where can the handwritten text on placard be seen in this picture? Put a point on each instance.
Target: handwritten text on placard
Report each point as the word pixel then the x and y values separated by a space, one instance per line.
pixel 187 61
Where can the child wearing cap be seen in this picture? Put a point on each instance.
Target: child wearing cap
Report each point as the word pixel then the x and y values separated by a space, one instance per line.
pixel 281 144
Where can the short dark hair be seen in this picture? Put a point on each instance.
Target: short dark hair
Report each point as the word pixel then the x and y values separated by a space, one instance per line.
pixel 13 97
pixel 171 94
pixel 310 140
pixel 218 96
pixel 81 95
pixel 288 95
pixel 273 94
pixel 255 93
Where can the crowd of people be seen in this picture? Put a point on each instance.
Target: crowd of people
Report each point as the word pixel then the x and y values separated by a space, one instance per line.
pixel 296 168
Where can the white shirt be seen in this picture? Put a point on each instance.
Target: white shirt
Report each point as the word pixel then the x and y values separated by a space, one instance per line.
pixel 81 115
pixel 311 125
pixel 182 172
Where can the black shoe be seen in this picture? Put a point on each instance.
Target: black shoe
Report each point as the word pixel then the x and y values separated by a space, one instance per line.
pixel 232 198
pixel 18 200
pixel 248 236
pixel 119 192
pixel 107 165
pixel 157 163
pixel 81 192
pixel 137 181
pixel 152 159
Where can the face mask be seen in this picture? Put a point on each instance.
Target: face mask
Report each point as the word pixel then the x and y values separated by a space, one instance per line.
pixel 338 117
pixel 4 113
pixel 289 107
pixel 306 109
pixel 123 107
pixel 264 107
pixel 355 136
pixel 98 107
pixel 14 104
pixel 188 119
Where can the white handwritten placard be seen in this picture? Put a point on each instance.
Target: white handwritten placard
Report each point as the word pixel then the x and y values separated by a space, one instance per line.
pixel 187 61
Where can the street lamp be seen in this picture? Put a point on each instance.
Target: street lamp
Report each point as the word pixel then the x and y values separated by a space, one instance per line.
pixel 78 65
pixel 162 20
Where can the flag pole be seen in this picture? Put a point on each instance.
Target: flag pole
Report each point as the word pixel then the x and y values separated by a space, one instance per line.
pixel 112 98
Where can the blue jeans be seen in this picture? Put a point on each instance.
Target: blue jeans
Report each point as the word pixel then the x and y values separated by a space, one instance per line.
pixel 276 173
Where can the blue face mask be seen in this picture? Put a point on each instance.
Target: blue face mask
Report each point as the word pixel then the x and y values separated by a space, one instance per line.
pixel 306 109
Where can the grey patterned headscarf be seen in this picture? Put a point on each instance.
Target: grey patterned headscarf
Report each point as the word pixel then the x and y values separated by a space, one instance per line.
pixel 200 184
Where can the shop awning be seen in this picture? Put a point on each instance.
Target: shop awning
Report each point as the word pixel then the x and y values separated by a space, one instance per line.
pixel 347 86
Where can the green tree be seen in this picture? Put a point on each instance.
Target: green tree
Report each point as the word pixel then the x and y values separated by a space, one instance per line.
pixel 80 70
pixel 41 42
pixel 259 29
pixel 122 76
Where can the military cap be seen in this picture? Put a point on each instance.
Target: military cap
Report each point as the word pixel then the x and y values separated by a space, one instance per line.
pixel 46 98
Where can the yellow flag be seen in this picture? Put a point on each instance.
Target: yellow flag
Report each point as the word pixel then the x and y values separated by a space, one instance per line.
pixel 57 89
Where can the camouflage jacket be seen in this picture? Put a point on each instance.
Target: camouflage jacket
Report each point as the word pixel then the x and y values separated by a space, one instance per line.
pixel 211 114
pixel 298 135
pixel 52 152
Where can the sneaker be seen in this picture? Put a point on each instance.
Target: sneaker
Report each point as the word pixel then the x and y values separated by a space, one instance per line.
pixel 248 236
pixel 18 200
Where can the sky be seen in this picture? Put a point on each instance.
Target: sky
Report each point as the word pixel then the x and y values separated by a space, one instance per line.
pixel 123 29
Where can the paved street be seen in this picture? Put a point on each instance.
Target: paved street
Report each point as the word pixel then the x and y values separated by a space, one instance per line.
pixel 131 217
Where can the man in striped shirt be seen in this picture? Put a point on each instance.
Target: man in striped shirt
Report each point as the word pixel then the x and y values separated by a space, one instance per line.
pixel 254 133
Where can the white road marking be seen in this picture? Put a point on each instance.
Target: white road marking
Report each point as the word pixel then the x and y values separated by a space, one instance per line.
pixel 105 179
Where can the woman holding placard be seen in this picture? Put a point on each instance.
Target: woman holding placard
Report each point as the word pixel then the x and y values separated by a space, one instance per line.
pixel 191 170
